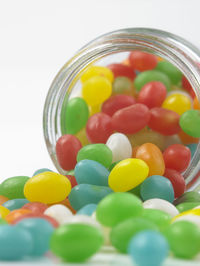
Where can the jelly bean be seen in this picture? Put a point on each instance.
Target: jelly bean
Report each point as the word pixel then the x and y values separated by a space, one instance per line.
pixel 13 187
pixel 118 207
pixel 71 173
pixel 170 140
pixel 87 209
pixel 189 212
pixel 164 121
pixel 134 151
pixel 67 147
pixel 42 170
pixel 122 85
pixel 190 123
pixel 136 191
pixel 196 104
pixel 69 238
pixel 171 71
pixel 96 90
pixel 178 103
pixel 72 180
pixel 120 70
pixel 190 218
pixel 160 218
pixel 82 219
pixel 187 86
pixel 186 139
pixel 59 212
pixel 160 204
pixel 157 187
pixel 192 147
pixel 35 207
pixel 122 120
pixel 151 75
pixel 174 152
pixel 13 215
pixel 113 165
pixel 117 102
pixel 81 135
pixel 16 243
pixel 120 146
pixel 84 194
pixel 66 203
pixel 152 94
pixel 148 248
pixel 153 157
pixel 190 196
pixel 91 172
pixel 95 109
pixel 4 212
pixel 122 233
pixel 184 239
pixel 75 115
pixel 15 204
pixel 182 207
pixel 142 61
pixel 2 222
pixel 3 199
pixel 47 188
pixel 99 128
pixel 128 174
pixel 41 231
pixel 97 71
pixel 96 152
pixel 177 180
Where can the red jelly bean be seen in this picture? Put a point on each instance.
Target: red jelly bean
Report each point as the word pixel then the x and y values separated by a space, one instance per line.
pixel 99 128
pixel 177 180
pixel 187 86
pixel 177 157
pixel 120 70
pixel 34 215
pixel 164 121
pixel 131 119
pixel 67 148
pixel 72 180
pixel 117 102
pixel 36 207
pixel 152 94
pixel 142 61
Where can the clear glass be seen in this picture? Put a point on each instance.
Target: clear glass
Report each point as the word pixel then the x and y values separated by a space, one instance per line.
pixel 110 48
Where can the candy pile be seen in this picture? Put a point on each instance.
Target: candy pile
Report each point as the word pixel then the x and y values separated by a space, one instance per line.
pixel 125 146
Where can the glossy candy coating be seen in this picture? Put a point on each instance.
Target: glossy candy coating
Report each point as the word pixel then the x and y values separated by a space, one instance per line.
pixel 97 152
pixel 41 170
pixel 128 174
pixel 83 219
pixel 186 206
pixel 13 215
pixel 120 70
pixel 72 180
pixel 189 196
pixel 173 73
pixel 87 209
pixel 36 207
pixel 3 199
pixel 190 123
pixel 190 218
pixel 15 204
pixel 91 172
pixel 59 212
pixel 118 207
pixel 97 71
pixel 142 61
pixel 122 85
pixel 47 188
pixel 196 104
pixel 69 238
pixel 4 212
pixel 82 136
pixel 186 139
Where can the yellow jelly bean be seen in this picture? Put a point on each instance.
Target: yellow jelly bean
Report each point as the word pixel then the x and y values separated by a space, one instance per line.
pixel 193 211
pixel 47 187
pixel 177 102
pixel 95 109
pixel 128 174
pixel 3 212
pixel 96 90
pixel 81 135
pixel 97 71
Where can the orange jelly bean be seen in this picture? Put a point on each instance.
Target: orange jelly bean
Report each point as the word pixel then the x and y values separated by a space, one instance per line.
pixel 153 157
pixel 3 199
pixel 13 215
pixel 186 139
pixel 196 104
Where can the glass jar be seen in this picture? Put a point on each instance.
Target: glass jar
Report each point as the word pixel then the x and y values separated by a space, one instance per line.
pixel 110 48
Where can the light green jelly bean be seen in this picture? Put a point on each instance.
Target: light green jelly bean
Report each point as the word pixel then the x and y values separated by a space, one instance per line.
pixel 96 152
pixel 182 207
pixel 2 222
pixel 190 123
pixel 151 75
pixel 121 84
pixel 173 73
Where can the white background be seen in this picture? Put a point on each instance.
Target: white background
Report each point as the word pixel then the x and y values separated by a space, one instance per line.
pixel 37 37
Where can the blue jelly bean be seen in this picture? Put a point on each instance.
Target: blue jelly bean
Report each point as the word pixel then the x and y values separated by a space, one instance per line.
pixel 88 209
pixel 15 204
pixel 15 243
pixel 192 147
pixel 148 248
pixel 41 231
pixel 42 170
pixel 85 194
pixel 157 186
pixel 91 172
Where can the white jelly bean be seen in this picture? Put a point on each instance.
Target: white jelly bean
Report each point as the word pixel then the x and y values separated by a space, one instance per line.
pixel 83 219
pixel 59 212
pixel 197 207
pixel 190 218
pixel 162 205
pixel 120 146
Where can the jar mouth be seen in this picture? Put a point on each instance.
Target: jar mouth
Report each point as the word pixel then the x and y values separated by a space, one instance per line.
pixel 173 48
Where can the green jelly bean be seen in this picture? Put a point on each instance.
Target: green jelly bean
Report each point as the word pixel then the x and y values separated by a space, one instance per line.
pixel 191 196
pixel 136 191
pixel 117 207
pixel 75 115
pixel 173 73
pixel 76 242
pixel 122 233
pixel 182 207
pixel 160 218
pixel 151 75
pixel 184 239
pixel 13 187
pixel 190 123
pixel 121 84
pixel 2 222
pixel 96 152
pixel 113 165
